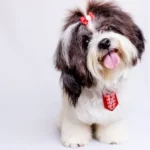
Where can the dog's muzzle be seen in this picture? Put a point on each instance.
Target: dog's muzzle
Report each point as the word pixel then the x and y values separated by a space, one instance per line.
pixel 111 57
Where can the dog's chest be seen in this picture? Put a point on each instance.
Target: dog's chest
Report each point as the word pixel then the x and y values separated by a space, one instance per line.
pixel 90 109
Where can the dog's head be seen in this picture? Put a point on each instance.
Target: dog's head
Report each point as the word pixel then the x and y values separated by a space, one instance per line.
pixel 97 47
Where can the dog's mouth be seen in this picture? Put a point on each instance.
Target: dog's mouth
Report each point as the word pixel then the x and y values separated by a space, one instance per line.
pixel 111 59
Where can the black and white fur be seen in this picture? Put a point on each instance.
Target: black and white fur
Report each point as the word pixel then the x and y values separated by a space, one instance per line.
pixel 84 78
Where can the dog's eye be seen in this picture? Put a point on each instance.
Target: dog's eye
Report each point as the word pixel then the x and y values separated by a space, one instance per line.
pixel 85 42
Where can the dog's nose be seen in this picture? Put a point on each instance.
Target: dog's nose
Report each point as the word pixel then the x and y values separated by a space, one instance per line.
pixel 104 43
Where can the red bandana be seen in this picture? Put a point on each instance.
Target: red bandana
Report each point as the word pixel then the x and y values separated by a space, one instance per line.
pixel 110 101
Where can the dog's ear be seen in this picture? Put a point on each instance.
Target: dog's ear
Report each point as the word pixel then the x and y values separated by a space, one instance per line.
pixel 71 83
pixel 139 40
pixel 72 64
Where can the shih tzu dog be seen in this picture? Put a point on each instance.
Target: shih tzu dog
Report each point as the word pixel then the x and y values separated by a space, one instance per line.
pixel 97 49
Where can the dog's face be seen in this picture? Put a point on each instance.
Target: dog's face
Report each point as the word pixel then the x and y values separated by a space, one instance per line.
pixel 97 47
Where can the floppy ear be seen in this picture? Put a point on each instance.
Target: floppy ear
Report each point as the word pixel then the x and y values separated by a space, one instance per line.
pixel 74 75
pixel 140 40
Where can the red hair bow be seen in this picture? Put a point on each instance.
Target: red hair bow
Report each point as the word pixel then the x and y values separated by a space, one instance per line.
pixel 85 20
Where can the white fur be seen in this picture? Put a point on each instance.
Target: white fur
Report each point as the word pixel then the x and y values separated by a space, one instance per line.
pixel 117 41
pixel 91 25
pixel 115 133
pixel 75 122
pixel 74 133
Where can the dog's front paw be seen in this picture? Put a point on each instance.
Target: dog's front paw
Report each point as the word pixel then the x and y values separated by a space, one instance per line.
pixel 75 135
pixel 75 139
pixel 75 142
pixel 114 134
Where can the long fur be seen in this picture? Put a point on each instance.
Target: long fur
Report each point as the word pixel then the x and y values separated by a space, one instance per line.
pixel 84 77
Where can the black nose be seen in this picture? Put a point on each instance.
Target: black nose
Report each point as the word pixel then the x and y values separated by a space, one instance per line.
pixel 104 44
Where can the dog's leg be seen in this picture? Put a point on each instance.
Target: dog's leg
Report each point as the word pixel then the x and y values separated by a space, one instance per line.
pixel 116 133
pixel 74 134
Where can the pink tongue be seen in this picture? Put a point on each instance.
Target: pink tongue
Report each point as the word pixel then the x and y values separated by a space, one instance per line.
pixel 111 60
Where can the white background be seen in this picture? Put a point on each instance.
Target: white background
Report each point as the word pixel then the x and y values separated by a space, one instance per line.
pixel 29 86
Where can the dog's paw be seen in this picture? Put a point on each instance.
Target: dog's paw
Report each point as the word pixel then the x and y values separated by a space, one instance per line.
pixel 112 139
pixel 114 134
pixel 75 142
pixel 75 134
pixel 77 137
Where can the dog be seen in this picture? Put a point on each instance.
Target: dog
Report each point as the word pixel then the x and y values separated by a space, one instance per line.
pixel 97 49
